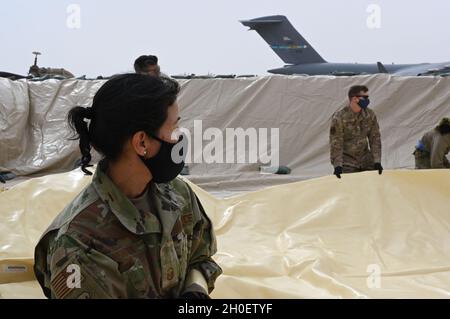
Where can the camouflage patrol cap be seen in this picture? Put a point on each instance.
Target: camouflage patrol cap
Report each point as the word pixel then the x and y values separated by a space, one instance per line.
pixel 444 126
pixel 145 60
pixel 445 121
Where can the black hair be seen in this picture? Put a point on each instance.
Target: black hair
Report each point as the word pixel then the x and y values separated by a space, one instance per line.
pixel 444 126
pixel 124 105
pixel 143 61
pixel 356 89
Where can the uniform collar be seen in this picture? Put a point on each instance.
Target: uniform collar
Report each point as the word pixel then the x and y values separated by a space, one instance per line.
pixel 350 111
pixel 127 214
pixel 168 204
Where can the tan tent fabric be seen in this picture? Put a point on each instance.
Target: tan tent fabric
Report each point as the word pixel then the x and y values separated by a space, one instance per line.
pixel 34 133
pixel 321 238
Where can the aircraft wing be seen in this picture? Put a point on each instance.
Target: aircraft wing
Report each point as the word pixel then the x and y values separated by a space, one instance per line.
pixel 425 69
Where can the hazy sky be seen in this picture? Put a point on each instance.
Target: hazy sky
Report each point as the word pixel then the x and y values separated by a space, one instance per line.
pixel 204 36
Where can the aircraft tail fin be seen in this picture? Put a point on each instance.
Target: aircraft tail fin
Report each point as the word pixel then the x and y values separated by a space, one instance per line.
pixel 381 68
pixel 284 39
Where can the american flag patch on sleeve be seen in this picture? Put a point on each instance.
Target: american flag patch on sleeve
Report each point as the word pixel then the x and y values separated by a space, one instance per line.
pixel 63 283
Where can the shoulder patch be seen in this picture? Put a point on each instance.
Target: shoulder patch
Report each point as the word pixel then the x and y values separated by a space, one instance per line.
pixel 65 281
pixel 59 284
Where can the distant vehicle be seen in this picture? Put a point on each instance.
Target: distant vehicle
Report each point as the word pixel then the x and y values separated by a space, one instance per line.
pixel 301 58
pixel 37 73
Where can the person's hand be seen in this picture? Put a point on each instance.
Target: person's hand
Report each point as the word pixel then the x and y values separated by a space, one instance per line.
pixel 194 291
pixel 338 171
pixel 378 167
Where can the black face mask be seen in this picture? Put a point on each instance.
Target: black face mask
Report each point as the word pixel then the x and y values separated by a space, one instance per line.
pixel 169 161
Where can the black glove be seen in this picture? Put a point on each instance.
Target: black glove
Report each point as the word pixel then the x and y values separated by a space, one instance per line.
pixel 378 167
pixel 338 171
pixel 194 295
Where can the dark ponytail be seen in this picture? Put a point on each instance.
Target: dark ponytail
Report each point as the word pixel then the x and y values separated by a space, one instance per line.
pixel 124 105
pixel 76 119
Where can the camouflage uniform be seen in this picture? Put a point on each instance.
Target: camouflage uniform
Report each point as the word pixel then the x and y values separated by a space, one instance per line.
pixel 431 151
pixel 351 135
pixel 125 253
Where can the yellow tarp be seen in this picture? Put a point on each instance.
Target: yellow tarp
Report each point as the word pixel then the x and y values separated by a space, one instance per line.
pixel 363 236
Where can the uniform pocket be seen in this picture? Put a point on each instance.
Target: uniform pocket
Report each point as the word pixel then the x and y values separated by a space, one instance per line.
pixel 137 284
pixel 170 267
pixel 180 242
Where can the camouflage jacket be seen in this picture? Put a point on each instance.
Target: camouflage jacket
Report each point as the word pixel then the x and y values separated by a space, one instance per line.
pixel 351 135
pixel 437 146
pixel 120 252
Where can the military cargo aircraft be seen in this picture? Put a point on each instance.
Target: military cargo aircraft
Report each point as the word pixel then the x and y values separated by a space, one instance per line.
pixel 301 58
